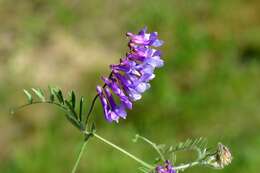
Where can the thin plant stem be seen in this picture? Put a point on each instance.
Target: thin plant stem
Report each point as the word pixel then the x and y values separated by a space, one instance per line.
pixel 153 145
pixel 94 101
pixel 79 156
pixel 91 108
pixel 123 151
pixel 182 167
pixel 63 108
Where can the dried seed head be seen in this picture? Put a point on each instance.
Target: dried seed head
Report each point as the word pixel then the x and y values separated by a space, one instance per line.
pixel 223 156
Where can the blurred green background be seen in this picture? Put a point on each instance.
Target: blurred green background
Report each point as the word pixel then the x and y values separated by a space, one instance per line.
pixel 208 87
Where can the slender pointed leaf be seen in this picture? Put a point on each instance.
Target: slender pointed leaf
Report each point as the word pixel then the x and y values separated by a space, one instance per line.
pixel 59 95
pixel 51 94
pixel 72 110
pixel 191 144
pixel 73 99
pixel 29 96
pixel 81 108
pixel 51 97
pixel 73 121
pixel 39 93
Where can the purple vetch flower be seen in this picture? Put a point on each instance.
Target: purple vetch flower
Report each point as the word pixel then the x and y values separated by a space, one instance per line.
pixel 167 168
pixel 130 78
pixel 112 84
pixel 143 38
pixel 147 55
pixel 109 112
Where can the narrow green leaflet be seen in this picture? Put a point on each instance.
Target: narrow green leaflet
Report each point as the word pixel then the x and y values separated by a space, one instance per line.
pixel 73 99
pixel 39 93
pixel 73 121
pixel 81 108
pixel 191 144
pixel 56 98
pixel 57 92
pixel 73 113
pixel 52 94
pixel 29 96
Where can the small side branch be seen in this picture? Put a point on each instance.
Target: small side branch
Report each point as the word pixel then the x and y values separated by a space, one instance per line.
pixel 152 144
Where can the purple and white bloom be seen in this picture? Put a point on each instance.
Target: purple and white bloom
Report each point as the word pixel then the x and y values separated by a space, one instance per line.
pixel 167 168
pixel 130 78
pixel 143 38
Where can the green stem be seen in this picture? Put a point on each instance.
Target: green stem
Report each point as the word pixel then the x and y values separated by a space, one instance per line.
pixel 123 151
pixel 79 156
pixel 182 167
pixel 153 145
pixel 63 108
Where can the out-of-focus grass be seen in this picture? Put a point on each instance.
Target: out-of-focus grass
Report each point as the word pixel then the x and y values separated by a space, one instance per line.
pixel 208 87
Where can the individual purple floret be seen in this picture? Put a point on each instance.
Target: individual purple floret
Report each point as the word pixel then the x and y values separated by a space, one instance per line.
pixel 143 38
pixel 167 168
pixel 130 78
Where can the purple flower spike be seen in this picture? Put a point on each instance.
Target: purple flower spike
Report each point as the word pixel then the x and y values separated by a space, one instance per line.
pixel 130 78
pixel 167 168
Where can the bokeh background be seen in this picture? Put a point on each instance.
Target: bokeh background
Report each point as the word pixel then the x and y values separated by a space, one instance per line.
pixel 208 87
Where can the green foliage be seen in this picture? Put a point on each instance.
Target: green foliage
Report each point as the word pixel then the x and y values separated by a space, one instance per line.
pixel 169 152
pixel 198 144
pixel 29 96
pixel 56 97
pixel 204 156
pixel 156 147
pixel 39 93
pixel 190 144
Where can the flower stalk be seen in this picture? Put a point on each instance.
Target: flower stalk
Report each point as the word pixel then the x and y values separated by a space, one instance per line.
pixel 143 163
pixel 188 165
pixel 79 156
pixel 152 144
